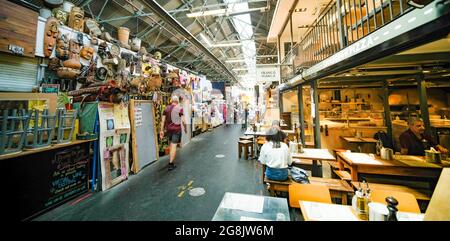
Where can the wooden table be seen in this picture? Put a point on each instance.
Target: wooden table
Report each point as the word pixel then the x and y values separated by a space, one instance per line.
pixel 420 195
pixel 402 165
pixel 316 211
pixel 315 155
pixel 247 207
pixel 359 140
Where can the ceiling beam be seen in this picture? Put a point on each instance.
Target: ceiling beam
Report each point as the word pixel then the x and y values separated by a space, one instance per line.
pixel 171 21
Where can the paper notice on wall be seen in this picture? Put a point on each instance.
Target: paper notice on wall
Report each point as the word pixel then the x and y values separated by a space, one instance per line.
pixel 138 116
pixel 121 116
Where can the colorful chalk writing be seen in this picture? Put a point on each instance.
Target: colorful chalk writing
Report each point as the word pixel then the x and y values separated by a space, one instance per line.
pixel 69 176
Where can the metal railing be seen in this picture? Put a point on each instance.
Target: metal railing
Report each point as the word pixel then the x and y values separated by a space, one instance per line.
pixel 342 23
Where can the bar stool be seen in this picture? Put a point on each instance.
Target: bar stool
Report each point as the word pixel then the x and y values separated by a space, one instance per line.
pixel 246 145
pixel 246 138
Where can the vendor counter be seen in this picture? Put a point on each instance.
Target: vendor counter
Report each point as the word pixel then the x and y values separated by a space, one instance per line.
pixel 333 132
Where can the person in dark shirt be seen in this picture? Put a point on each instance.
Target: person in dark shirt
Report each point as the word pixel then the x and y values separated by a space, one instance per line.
pixel 414 141
pixel 172 120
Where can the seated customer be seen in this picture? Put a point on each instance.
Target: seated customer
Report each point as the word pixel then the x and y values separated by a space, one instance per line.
pixel 414 141
pixel 276 156
pixel 276 125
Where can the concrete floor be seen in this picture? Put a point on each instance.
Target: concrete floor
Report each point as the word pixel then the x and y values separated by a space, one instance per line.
pixel 153 193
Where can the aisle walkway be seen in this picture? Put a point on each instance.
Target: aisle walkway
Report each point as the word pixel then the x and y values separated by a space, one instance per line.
pixel 154 193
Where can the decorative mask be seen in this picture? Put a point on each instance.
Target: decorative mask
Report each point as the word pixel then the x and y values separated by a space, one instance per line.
pixel 76 19
pixel 147 69
pixel 62 47
pixel 164 70
pixel 59 14
pixel 157 81
pixel 115 50
pixel 101 73
pixel 122 65
pixel 87 53
pixel 156 69
pixel 54 64
pixel 74 49
pixel 158 55
pixel 142 52
pixel 80 39
pixel 92 27
pixel 94 39
pixel 74 56
pixel 51 33
pixel 102 50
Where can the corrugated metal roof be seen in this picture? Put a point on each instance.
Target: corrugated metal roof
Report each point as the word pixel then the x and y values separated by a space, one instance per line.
pixel 157 36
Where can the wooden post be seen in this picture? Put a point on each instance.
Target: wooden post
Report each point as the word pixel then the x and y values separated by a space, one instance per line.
pixel 301 113
pixel 422 88
pixel 387 111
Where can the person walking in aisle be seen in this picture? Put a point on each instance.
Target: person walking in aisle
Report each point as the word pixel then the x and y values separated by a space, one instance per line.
pixel 244 126
pixel 171 122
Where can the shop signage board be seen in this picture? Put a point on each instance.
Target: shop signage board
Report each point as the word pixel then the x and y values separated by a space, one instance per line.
pixel 113 144
pixel 18 29
pixel 144 134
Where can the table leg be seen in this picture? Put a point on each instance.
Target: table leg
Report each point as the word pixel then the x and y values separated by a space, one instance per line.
pixel 254 157
pixel 315 172
pixel 344 198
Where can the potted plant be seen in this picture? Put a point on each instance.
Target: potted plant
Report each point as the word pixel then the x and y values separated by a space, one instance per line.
pixel 64 101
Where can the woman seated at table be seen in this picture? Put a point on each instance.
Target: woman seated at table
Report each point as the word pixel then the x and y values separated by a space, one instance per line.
pixel 275 155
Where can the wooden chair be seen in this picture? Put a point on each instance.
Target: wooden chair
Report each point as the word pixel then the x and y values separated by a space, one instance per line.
pixel 406 201
pixel 247 146
pixel 308 192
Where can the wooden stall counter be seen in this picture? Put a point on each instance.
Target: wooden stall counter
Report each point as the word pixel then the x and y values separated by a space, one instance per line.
pixel 402 165
pixel 42 179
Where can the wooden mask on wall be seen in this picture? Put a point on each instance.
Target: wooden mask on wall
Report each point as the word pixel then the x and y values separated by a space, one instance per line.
pixel 62 47
pixel 87 53
pixel 74 49
pixel 76 19
pixel 50 35
pixel 59 14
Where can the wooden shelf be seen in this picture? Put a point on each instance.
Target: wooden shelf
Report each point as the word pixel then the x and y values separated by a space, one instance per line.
pixel 345 103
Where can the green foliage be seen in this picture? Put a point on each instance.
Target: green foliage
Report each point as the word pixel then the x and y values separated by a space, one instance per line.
pixel 63 99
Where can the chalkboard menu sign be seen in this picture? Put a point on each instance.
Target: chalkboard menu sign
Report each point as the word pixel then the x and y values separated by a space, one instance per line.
pixel 69 174
pixel 45 179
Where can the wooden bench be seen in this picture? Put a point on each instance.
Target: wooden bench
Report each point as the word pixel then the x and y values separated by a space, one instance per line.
pixel 343 175
pixel 338 188
pixel 334 165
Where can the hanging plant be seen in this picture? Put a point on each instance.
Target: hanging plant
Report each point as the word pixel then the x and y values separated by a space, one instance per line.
pixel 64 101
